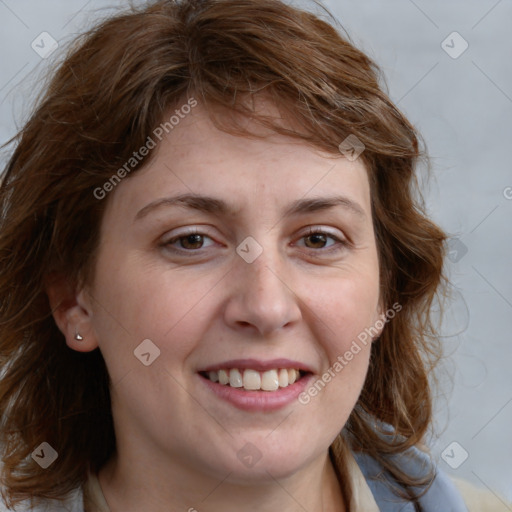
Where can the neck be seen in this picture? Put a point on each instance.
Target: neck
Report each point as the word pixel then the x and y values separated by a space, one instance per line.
pixel 133 486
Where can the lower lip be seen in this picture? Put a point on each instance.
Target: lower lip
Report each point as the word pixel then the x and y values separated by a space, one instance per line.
pixel 258 400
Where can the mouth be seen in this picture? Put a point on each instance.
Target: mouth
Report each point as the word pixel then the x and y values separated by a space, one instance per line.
pixel 250 379
pixel 257 385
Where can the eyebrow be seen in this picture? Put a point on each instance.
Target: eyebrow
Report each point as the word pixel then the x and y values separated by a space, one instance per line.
pixel 221 208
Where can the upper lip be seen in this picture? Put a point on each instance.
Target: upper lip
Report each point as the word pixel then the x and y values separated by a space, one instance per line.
pixel 257 364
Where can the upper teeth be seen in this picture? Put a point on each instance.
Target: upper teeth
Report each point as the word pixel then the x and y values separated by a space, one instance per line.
pixel 253 380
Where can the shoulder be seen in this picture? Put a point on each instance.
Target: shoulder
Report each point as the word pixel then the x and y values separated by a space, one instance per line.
pixel 479 499
pixel 444 493
pixel 72 503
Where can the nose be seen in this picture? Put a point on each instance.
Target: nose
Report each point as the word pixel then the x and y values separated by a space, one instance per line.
pixel 261 298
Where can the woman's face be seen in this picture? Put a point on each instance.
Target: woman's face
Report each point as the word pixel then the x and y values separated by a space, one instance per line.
pixel 249 295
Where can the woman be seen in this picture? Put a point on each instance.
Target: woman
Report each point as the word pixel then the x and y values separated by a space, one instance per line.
pixel 215 275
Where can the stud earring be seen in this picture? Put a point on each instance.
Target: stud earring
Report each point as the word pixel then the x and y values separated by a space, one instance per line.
pixel 78 336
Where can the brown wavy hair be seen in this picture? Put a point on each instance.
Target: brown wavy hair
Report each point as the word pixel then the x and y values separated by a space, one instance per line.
pixel 108 94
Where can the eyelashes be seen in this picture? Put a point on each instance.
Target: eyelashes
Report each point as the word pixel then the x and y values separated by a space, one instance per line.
pixel 194 237
pixel 314 232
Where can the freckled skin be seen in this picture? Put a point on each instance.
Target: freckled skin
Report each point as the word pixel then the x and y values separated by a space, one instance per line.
pixel 296 300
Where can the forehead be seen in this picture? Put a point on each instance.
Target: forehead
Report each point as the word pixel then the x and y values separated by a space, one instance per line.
pixel 196 157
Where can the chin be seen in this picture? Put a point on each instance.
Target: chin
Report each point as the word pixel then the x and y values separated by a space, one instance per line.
pixel 249 465
pixel 263 472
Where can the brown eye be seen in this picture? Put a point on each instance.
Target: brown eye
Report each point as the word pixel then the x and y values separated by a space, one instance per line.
pixel 187 242
pixel 318 240
pixel 191 241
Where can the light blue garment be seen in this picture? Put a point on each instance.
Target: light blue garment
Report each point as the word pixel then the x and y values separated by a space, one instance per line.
pixel 442 496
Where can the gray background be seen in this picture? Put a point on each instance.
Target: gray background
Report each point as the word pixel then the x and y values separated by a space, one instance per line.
pixel 463 108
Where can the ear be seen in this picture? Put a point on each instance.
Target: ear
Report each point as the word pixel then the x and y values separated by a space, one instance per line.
pixel 72 313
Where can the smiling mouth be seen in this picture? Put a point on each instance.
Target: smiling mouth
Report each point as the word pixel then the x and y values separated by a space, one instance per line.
pixel 253 380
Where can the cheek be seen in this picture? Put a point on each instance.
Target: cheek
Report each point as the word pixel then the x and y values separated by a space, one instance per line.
pixel 136 301
pixel 345 312
pixel 345 309
pixel 333 394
